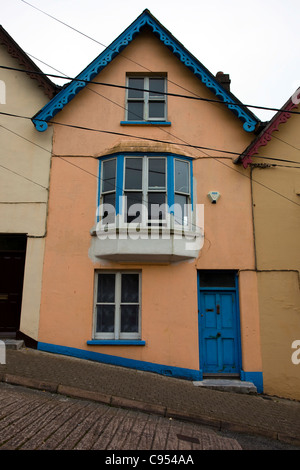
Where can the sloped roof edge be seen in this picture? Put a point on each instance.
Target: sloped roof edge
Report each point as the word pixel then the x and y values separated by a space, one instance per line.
pixel 50 89
pixel 91 71
pixel 266 134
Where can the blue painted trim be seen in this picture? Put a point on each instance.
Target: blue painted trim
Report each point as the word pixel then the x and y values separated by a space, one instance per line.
pixel 228 289
pixel 120 342
pixel 170 371
pixel 120 157
pixel 145 123
pixel 91 71
pixel 238 318
pixel 99 191
pixel 191 186
pixel 119 183
pixel 170 183
pixel 255 377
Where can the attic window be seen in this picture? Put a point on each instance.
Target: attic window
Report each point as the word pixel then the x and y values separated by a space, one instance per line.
pixel 146 99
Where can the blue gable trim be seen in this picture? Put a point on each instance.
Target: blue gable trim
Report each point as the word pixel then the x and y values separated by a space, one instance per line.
pixel 91 71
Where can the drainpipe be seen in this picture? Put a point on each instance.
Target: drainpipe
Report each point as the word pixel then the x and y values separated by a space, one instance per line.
pixel 253 223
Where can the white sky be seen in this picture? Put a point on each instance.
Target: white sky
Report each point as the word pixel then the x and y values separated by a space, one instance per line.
pixel 256 42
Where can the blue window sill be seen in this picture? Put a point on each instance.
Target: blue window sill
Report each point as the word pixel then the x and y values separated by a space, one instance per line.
pixel 117 342
pixel 145 123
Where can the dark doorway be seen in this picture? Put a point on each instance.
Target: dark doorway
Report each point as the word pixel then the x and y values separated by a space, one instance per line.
pixel 12 262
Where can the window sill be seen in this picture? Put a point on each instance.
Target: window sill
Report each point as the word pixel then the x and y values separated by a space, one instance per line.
pixel 145 123
pixel 116 342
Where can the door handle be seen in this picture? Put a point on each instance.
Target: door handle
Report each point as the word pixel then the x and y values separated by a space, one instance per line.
pixel 215 337
pixel 218 309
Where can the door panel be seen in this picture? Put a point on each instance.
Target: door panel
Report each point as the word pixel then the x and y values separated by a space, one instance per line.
pixel 218 332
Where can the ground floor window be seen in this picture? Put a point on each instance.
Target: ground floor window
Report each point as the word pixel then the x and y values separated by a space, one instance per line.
pixel 117 305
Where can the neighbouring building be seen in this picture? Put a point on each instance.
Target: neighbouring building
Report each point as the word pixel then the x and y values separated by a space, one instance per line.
pixel 24 177
pixel 274 162
pixel 149 256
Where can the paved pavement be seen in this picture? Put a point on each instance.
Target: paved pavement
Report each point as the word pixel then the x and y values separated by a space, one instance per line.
pixel 37 420
pixel 270 417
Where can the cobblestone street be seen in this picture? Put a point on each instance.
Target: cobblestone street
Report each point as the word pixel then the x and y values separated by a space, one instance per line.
pixel 38 420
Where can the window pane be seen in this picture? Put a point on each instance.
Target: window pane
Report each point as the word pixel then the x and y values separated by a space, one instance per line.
pixel 108 210
pixel 109 175
pixel 180 209
pixel 106 288
pixel 156 206
pixel 129 318
pixel 217 278
pixel 135 110
pixel 130 288
pixel 156 85
pixel 134 173
pixel 182 176
pixel 157 173
pixel 136 83
pixel 134 206
pixel 156 109
pixel 105 319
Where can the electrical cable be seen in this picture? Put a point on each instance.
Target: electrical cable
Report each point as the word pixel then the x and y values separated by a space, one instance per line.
pixel 69 125
pixel 163 93
pixel 108 47
pixel 265 157
pixel 123 134
pixel 80 127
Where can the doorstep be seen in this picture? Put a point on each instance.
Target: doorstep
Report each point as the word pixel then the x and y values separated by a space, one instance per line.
pixel 227 385
pixel 13 343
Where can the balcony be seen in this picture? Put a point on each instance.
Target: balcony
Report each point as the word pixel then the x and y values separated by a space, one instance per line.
pixel 138 243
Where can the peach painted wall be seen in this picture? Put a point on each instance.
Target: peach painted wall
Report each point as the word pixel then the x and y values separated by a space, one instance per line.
pixel 276 196
pixel 24 177
pixel 169 292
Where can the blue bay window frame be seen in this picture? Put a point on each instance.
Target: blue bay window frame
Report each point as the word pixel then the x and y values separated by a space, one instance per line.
pixel 170 189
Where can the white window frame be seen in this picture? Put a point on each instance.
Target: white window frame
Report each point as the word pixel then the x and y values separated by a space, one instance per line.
pixel 145 190
pixel 147 98
pixel 109 192
pixel 188 217
pixel 117 334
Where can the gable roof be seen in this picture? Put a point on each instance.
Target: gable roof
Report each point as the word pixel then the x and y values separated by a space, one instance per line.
pixel 91 71
pixel 265 135
pixel 50 89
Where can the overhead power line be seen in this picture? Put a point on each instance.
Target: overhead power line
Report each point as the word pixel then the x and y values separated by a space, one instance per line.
pixel 146 68
pixel 123 134
pixel 163 93
pixel 138 137
pixel 196 147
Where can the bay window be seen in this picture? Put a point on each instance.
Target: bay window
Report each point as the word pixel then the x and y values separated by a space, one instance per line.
pixel 146 189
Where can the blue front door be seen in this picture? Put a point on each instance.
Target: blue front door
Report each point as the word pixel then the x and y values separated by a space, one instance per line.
pixel 218 331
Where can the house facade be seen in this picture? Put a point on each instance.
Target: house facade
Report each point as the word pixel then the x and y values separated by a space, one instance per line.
pixel 24 177
pixel 273 158
pixel 149 256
